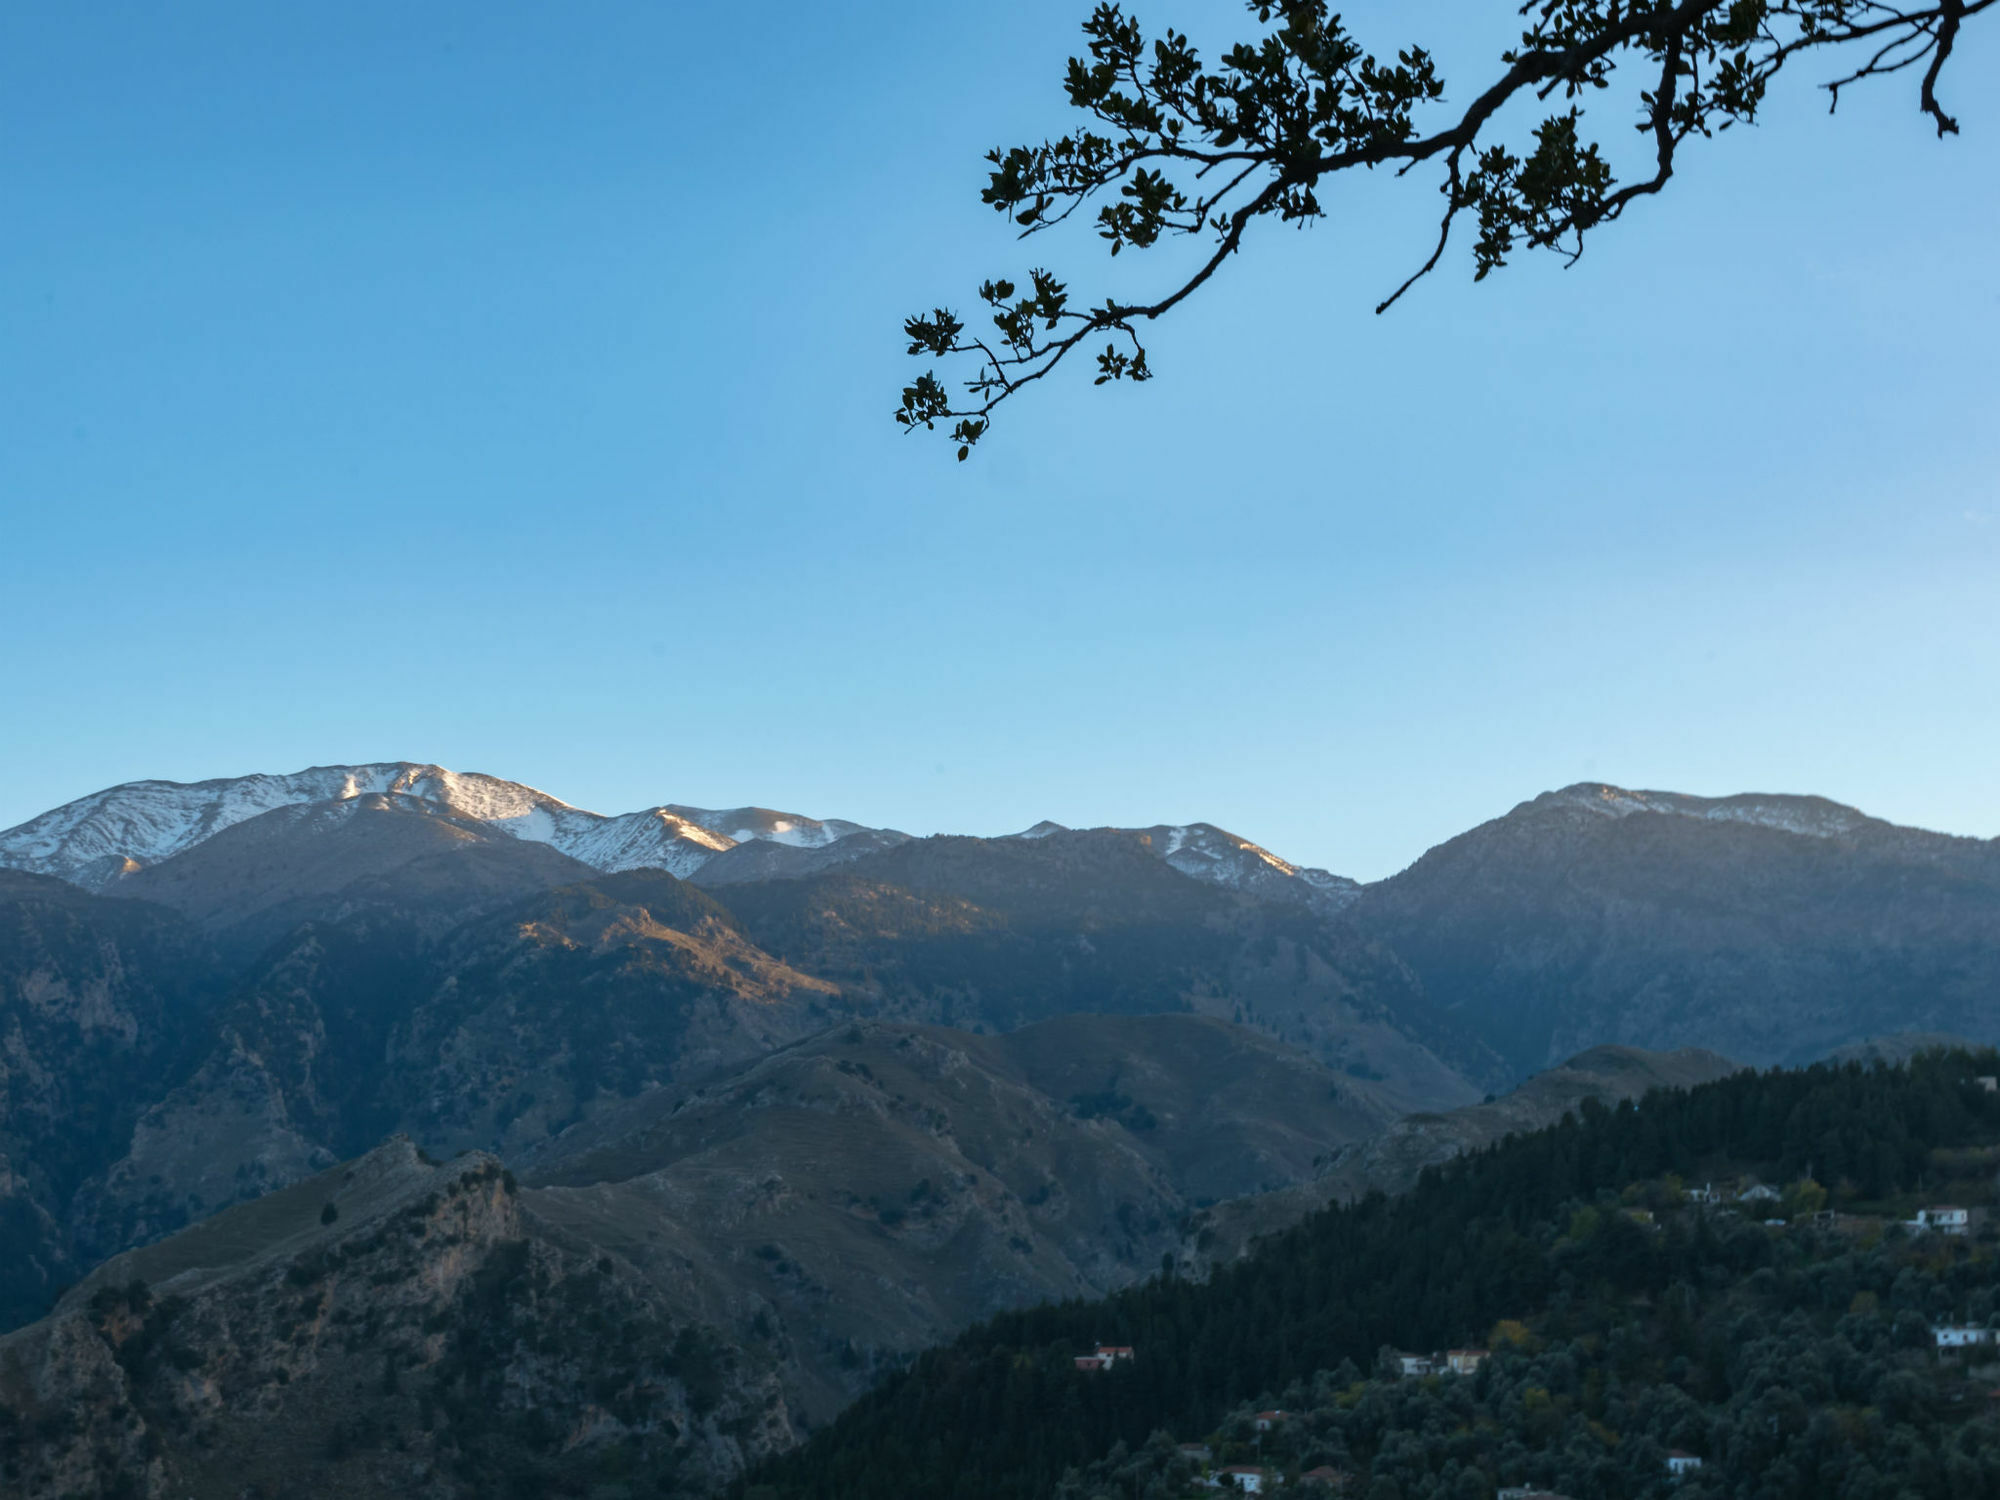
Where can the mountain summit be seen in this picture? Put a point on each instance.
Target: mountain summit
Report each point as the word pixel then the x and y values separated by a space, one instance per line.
pixel 96 840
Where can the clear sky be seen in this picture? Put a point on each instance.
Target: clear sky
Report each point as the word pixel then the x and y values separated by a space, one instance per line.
pixel 508 386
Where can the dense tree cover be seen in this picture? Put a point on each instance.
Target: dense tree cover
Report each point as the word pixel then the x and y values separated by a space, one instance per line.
pixel 1531 1229
pixel 1795 1364
pixel 1174 147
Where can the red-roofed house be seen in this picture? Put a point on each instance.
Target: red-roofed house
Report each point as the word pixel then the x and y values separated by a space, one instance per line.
pixel 1106 1356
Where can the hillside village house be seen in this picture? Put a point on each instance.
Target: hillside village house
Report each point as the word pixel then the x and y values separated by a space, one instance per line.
pixel 1411 1366
pixel 1759 1193
pixel 1264 1421
pixel 1464 1361
pixel 1248 1478
pixel 1960 1336
pixel 1681 1463
pixel 1195 1453
pixel 1106 1356
pixel 1944 1218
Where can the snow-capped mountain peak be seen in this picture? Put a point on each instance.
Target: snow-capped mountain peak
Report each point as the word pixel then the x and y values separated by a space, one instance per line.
pixel 97 839
pixel 1213 855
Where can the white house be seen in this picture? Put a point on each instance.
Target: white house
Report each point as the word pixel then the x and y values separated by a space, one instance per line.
pixel 1410 1366
pixel 1944 1218
pixel 1681 1463
pixel 1759 1193
pixel 1248 1478
pixel 1264 1421
pixel 1960 1336
pixel 1464 1361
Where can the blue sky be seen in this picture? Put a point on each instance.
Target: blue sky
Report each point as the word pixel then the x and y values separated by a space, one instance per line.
pixel 508 386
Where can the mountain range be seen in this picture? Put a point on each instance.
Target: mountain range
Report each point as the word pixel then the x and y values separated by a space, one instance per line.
pixel 801 1096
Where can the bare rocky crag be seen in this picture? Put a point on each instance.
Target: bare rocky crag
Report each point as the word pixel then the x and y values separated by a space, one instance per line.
pixel 393 1327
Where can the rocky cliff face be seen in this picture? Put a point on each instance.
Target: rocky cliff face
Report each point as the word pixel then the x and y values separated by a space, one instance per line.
pixel 392 1327
pixel 99 1001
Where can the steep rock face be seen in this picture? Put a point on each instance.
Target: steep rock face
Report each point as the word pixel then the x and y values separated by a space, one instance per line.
pixel 395 1327
pixel 1769 928
pixel 101 1004
pixel 102 838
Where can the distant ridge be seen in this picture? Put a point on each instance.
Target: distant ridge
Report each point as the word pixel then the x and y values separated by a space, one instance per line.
pixel 100 840
pixel 96 840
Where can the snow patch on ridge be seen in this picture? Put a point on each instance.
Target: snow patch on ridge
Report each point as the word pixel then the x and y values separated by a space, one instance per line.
pixel 1811 817
pixel 96 839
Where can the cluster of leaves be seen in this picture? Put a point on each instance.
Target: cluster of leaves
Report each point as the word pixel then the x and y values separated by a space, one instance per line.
pixel 1175 147
pixel 1002 1413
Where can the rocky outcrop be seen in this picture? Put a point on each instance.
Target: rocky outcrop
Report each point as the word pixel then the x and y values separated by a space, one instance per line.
pixel 394 1327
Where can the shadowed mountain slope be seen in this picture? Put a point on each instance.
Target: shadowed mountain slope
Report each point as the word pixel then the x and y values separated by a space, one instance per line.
pixel 1769 928
pixel 508 1028
pixel 258 879
pixel 679 1283
pixel 993 934
pixel 1391 1160
pixel 101 1003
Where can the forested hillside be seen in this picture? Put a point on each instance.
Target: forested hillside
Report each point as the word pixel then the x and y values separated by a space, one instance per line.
pixel 1630 1320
